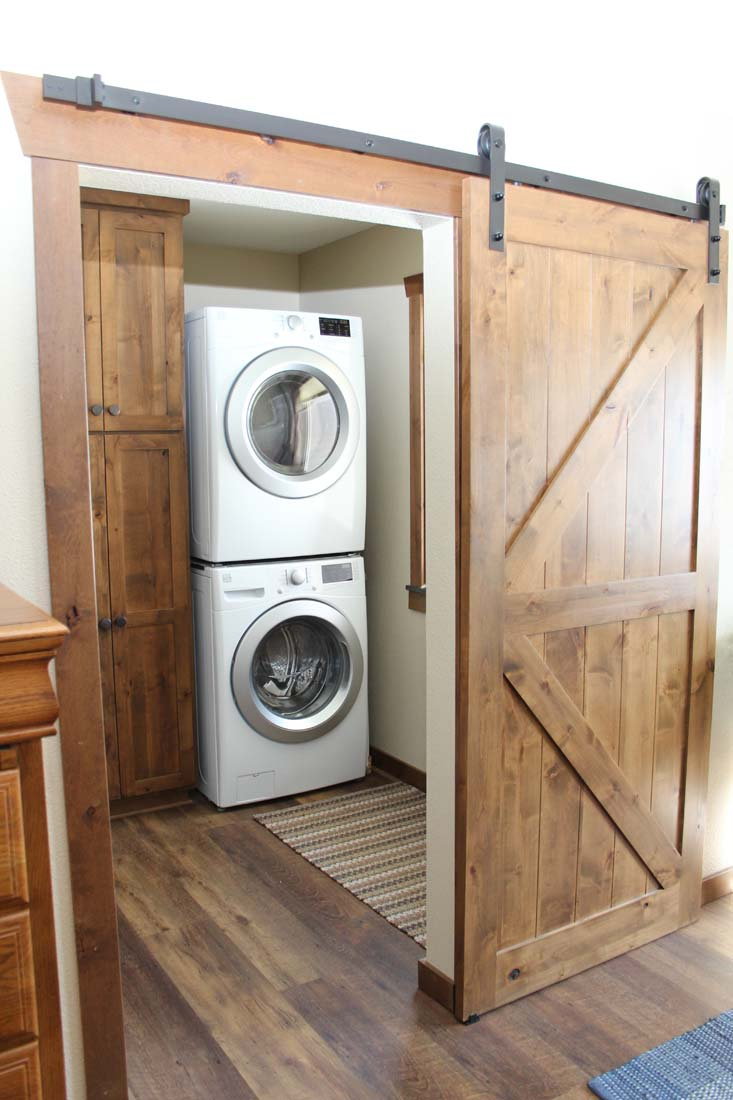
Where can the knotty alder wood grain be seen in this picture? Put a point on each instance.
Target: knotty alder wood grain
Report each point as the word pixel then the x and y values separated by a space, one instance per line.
pixel 706 552
pixel 607 364
pixel 141 287
pixel 481 598
pixel 594 604
pixel 576 740
pixel 60 306
pixel 150 588
pixel 97 475
pixel 116 139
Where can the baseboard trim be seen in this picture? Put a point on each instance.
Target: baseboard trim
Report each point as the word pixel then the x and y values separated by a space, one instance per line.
pixel 392 765
pixel 717 886
pixel 436 984
pixel 147 803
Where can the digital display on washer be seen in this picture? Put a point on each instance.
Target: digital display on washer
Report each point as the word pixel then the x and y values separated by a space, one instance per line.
pixel 341 571
pixel 334 326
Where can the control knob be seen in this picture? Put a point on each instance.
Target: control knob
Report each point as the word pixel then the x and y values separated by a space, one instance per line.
pixel 298 576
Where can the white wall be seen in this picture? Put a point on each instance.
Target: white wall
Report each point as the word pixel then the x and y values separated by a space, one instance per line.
pixel 363 275
pixel 630 93
pixel 249 278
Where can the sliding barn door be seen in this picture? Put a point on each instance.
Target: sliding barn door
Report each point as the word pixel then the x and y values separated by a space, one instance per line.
pixel 592 360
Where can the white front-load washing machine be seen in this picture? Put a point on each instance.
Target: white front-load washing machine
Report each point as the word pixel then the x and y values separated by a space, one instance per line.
pixel 277 437
pixel 281 677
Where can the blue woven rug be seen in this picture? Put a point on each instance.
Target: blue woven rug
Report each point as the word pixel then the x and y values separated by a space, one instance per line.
pixel 695 1066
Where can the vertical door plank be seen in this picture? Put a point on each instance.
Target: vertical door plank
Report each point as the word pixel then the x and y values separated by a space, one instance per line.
pixel 92 316
pixel 679 508
pixel 612 342
pixel 528 320
pixel 643 542
pixel 703 643
pixel 104 608
pixel 568 413
pixel 481 605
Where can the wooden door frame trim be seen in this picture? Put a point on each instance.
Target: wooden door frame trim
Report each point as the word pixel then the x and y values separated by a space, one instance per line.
pixel 56 198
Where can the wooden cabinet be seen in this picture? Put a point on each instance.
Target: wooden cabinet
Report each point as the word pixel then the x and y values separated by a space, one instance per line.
pixel 133 301
pixel 31 1058
pixel 133 294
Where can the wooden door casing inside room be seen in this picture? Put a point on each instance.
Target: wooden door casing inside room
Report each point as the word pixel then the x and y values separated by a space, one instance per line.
pixel 593 355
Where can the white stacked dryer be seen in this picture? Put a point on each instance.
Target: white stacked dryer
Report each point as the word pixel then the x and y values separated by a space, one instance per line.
pixel 276 414
pixel 277 455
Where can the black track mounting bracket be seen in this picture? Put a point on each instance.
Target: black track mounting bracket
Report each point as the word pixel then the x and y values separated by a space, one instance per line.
pixel 708 195
pixel 492 150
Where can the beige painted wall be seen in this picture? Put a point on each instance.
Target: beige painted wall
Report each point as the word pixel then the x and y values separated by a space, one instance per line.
pixel 363 275
pixel 216 276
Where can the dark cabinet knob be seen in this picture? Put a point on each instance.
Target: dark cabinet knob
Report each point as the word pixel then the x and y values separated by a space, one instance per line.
pixel 96 410
pixel 105 624
pixel 114 410
pixel 120 621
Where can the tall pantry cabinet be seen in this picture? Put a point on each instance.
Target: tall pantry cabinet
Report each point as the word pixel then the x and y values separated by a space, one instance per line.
pixel 133 305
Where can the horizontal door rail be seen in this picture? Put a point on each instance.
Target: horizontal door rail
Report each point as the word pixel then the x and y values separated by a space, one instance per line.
pixel 550 609
pixel 92 92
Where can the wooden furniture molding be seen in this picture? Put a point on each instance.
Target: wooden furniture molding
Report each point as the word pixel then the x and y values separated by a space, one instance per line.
pixel 126 200
pixel 31 1058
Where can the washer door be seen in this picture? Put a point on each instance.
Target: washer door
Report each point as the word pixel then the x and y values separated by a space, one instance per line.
pixel 292 422
pixel 297 671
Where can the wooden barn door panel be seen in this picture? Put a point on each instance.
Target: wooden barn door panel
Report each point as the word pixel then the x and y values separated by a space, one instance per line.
pixel 590 363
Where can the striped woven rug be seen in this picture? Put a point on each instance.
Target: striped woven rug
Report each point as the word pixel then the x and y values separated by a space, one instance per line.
pixel 372 842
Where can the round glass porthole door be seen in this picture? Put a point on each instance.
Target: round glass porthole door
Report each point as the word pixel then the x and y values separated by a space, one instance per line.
pixel 292 422
pixel 297 671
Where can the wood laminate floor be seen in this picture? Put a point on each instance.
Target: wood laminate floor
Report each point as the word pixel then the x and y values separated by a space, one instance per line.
pixel 250 975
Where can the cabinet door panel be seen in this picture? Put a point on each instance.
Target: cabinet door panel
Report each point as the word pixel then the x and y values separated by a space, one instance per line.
pixel 142 320
pixel 20 1073
pixel 150 590
pixel 13 873
pixel 18 1015
pixel 104 611
pixel 92 318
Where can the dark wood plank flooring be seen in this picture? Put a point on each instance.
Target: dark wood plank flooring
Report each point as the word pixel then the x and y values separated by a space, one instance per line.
pixel 247 973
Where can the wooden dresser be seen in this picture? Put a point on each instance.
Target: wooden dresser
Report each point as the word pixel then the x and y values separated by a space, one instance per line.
pixel 31 1055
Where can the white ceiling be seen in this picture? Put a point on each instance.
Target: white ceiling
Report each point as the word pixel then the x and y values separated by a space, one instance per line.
pixel 234 226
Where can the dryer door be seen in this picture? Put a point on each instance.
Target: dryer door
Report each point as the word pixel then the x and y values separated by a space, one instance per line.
pixel 292 422
pixel 297 671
